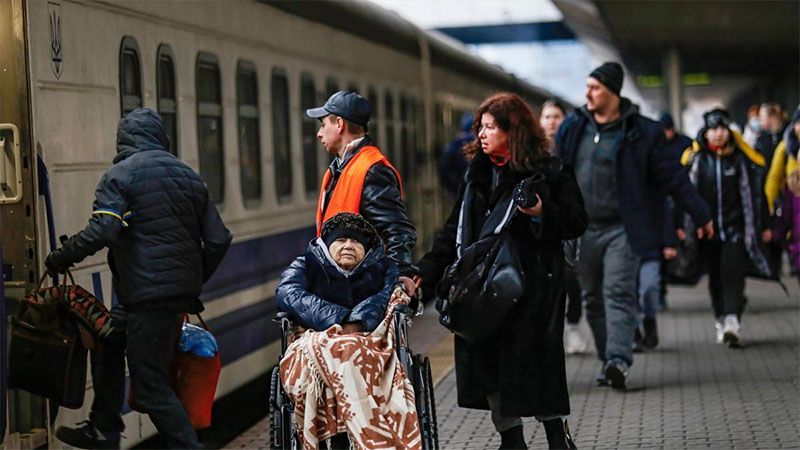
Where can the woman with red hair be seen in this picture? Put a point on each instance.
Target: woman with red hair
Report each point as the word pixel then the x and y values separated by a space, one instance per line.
pixel 519 370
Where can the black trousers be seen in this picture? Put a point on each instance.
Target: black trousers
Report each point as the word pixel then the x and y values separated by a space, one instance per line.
pixel 726 263
pixel 148 338
pixel 574 301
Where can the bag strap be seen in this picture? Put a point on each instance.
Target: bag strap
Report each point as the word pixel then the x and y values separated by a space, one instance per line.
pixel 202 322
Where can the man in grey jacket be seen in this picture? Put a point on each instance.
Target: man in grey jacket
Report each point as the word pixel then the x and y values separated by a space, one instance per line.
pixel 165 239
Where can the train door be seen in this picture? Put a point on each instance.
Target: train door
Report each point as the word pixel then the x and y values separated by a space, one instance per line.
pixel 26 414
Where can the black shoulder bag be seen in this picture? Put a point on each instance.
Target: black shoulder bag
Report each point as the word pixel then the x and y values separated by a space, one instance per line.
pixel 479 289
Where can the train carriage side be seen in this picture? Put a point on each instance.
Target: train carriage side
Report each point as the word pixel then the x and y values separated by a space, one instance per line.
pixel 232 85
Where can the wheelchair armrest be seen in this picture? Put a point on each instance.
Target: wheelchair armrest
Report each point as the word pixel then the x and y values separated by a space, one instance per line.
pixel 279 316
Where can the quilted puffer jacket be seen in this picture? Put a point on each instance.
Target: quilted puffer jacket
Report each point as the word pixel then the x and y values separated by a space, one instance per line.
pixel 318 294
pixel 154 213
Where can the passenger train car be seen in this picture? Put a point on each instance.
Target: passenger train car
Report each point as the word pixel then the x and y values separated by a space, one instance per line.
pixel 231 80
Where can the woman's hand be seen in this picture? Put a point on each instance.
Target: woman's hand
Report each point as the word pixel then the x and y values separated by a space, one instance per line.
pixel 533 211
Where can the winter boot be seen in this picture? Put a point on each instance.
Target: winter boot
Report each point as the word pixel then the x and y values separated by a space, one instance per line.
pixel 558 436
pixel 512 438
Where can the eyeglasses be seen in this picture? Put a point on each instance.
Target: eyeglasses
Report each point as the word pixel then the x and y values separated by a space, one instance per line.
pixel 715 120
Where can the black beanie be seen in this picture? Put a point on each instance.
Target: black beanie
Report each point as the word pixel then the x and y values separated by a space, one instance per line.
pixel 349 225
pixel 611 75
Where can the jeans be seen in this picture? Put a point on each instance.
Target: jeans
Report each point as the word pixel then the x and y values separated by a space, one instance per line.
pixel 649 288
pixel 726 263
pixel 148 337
pixel 607 272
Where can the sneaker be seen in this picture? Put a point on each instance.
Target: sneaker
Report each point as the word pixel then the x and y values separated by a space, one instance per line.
pixel 616 372
pixel 85 435
pixel 574 339
pixel 730 331
pixel 718 327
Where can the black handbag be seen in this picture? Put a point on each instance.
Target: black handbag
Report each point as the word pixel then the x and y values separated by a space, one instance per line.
pixel 480 288
pixel 47 355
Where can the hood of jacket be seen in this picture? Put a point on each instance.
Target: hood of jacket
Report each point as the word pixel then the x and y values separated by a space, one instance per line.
pixel 140 130
pixel 319 251
pixel 739 143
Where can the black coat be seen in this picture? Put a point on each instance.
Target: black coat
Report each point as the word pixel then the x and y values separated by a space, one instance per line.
pixel 153 212
pixel 317 294
pixel 525 360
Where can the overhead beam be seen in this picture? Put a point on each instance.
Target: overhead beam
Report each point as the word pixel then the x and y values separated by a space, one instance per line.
pixel 510 33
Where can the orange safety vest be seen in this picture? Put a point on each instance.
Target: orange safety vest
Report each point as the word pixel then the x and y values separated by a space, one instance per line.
pixel 346 195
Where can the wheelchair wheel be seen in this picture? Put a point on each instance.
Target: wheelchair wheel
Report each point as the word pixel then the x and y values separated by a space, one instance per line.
pixel 423 391
pixel 434 429
pixel 280 415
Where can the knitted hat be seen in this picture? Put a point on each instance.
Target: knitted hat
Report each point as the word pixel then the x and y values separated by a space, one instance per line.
pixel 665 119
pixel 349 225
pixel 611 75
pixel 716 117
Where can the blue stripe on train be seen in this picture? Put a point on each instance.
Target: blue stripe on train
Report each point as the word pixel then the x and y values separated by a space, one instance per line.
pixel 256 261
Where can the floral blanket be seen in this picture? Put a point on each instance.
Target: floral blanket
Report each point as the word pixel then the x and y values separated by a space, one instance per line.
pixel 375 405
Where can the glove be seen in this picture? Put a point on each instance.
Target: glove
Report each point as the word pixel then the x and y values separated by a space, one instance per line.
pixel 56 262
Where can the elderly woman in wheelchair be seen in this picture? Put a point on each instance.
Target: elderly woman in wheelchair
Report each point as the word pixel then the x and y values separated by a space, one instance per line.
pixel 344 369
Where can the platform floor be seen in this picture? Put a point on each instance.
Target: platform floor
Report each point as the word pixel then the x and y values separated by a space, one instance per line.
pixel 688 393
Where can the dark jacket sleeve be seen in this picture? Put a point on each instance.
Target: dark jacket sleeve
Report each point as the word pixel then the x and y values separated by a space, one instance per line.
pixel 107 221
pixel 675 181
pixel 292 296
pixel 371 311
pixel 382 206
pixel 216 239
pixel 563 213
pixel 443 253
pixel 670 238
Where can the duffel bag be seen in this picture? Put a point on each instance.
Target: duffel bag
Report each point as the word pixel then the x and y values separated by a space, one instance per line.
pixel 47 354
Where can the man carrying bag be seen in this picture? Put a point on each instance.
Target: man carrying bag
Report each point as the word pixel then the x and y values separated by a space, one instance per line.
pixel 165 239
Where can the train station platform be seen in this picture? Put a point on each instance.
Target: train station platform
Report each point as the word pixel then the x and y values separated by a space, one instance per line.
pixel 688 393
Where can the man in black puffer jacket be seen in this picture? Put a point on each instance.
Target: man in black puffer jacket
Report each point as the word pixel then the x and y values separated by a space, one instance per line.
pixel 165 239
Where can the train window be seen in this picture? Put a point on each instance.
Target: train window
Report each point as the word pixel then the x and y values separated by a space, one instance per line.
pixel 130 76
pixel 167 95
pixel 310 126
pixel 280 135
pixel 406 139
pixel 331 87
pixel 353 87
pixel 209 125
pixel 388 114
pixel 249 136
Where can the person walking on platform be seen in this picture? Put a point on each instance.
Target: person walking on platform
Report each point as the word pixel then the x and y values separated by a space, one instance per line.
pixel 652 289
pixel 361 180
pixel 452 163
pixel 622 168
pixel 785 171
pixel 551 117
pixel 772 127
pixel 724 170
pixel 519 370
pixel 165 239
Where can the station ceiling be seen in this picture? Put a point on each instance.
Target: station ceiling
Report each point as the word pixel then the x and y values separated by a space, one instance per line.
pixel 742 37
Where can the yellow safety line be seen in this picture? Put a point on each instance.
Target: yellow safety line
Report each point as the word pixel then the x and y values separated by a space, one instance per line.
pixel 441 357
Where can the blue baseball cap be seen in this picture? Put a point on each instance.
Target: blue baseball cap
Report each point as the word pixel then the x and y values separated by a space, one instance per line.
pixel 345 104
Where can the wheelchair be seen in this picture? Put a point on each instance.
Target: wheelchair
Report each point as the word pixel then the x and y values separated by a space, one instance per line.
pixel 282 428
